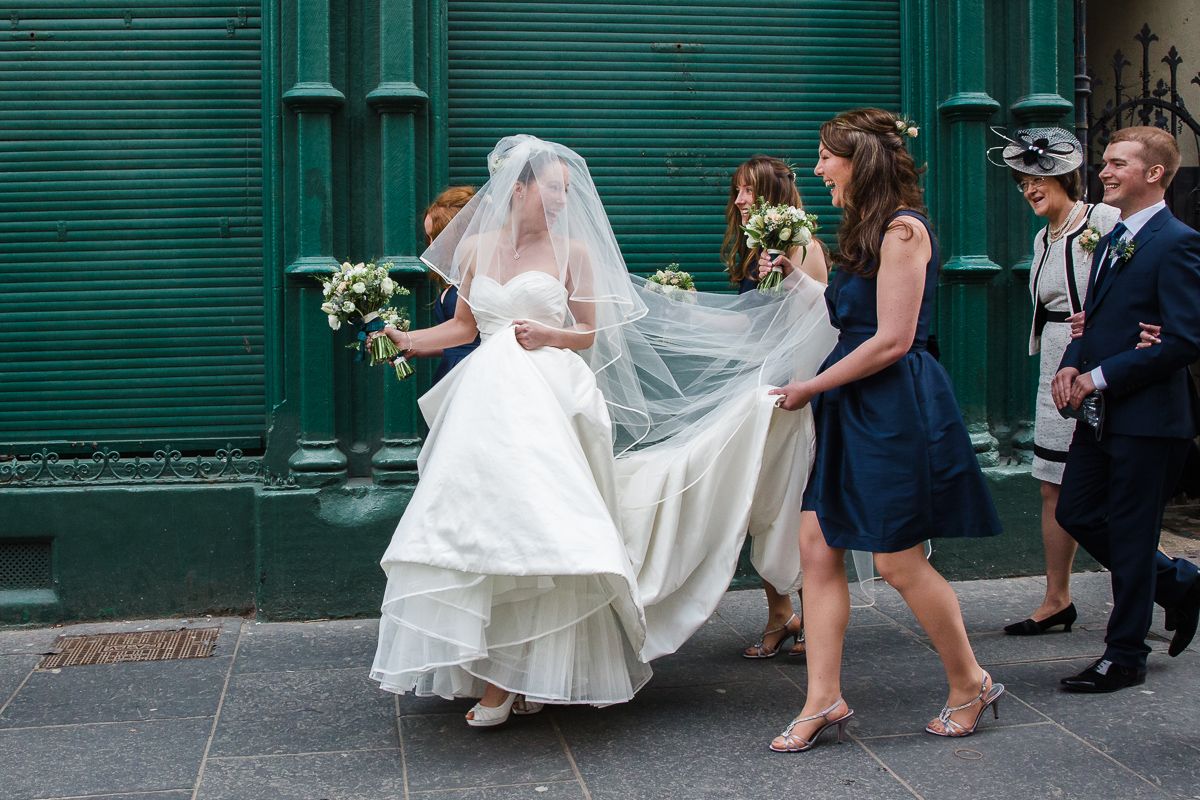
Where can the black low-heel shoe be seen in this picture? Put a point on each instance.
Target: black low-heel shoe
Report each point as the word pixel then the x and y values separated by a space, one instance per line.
pixel 1028 627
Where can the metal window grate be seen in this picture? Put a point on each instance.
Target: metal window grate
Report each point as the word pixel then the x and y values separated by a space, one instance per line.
pixel 25 565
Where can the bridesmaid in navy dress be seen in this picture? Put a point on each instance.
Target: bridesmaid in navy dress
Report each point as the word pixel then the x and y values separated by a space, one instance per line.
pixel 773 179
pixel 443 209
pixel 894 463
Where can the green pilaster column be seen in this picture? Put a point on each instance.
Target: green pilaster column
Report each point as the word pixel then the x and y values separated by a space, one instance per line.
pixel 1038 42
pixel 317 459
pixel 1042 104
pixel 398 100
pixel 967 271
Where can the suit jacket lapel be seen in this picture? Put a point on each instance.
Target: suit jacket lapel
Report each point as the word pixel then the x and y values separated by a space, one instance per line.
pixel 1148 231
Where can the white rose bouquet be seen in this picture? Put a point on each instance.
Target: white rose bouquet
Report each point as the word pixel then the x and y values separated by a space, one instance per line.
pixel 777 229
pixel 674 282
pixel 359 294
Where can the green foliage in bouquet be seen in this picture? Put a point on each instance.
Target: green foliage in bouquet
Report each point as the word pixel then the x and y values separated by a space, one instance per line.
pixel 673 278
pixel 358 294
pixel 776 229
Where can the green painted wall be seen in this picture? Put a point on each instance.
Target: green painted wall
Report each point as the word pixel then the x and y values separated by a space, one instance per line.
pixel 354 143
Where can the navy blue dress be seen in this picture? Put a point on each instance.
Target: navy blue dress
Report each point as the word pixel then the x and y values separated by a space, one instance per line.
pixel 894 464
pixel 443 310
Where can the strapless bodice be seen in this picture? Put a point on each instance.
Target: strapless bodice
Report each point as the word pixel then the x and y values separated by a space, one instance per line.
pixel 496 305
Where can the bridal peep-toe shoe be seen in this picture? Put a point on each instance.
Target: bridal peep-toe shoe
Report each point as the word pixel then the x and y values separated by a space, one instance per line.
pixel 792 629
pixel 988 696
pixel 794 744
pixel 490 716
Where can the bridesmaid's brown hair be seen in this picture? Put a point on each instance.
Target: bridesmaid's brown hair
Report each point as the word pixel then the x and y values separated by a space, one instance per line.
pixel 772 180
pixel 884 179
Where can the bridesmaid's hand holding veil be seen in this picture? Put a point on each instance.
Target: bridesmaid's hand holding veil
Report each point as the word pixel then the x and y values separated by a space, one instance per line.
pixel 795 395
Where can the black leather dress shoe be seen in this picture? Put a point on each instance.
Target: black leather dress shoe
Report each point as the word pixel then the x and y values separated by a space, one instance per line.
pixel 1105 676
pixel 1186 615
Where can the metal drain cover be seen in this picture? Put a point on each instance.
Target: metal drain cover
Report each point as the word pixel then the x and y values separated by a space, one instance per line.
pixel 114 648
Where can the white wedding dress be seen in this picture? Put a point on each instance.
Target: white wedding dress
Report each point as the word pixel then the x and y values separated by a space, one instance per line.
pixel 560 571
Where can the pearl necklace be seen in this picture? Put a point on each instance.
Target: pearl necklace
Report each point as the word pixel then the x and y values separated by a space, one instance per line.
pixel 1072 218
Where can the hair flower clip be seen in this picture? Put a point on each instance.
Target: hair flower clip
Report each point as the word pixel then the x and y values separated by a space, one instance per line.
pixel 907 127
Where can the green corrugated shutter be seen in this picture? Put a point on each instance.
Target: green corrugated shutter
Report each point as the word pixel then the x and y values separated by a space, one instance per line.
pixel 131 225
pixel 664 99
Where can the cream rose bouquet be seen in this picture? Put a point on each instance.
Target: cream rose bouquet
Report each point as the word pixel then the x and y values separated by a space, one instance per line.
pixel 674 282
pixel 777 229
pixel 358 294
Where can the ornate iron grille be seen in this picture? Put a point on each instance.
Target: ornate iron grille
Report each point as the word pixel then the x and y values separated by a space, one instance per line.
pixel 1161 105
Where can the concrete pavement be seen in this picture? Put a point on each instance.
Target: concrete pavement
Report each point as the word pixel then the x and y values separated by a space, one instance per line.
pixel 285 711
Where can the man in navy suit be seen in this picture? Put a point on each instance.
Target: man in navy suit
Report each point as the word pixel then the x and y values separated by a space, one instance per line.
pixel 1117 482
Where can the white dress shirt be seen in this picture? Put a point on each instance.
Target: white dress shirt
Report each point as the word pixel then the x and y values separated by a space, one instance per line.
pixel 1133 223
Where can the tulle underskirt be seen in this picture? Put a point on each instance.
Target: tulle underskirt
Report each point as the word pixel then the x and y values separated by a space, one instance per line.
pixel 555 639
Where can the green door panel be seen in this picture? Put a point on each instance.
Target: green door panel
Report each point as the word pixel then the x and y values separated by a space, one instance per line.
pixel 665 99
pixel 131 310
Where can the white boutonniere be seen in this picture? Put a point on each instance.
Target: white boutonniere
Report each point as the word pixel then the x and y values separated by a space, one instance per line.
pixel 1090 237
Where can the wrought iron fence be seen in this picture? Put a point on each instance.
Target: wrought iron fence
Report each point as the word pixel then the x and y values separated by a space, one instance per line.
pixel 168 465
pixel 1161 105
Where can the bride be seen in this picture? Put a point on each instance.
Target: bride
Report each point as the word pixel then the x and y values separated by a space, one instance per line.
pixel 591 469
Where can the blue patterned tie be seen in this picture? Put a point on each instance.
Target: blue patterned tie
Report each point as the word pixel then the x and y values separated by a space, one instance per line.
pixel 1114 246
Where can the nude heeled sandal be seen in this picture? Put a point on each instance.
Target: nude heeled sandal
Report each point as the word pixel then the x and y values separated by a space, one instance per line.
pixel 792 629
pixel 794 744
pixel 988 696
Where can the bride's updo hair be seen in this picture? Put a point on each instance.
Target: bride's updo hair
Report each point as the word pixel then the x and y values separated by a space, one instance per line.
pixel 522 145
pixel 884 179
pixel 773 180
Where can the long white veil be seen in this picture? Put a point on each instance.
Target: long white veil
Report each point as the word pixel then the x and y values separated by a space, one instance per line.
pixel 666 363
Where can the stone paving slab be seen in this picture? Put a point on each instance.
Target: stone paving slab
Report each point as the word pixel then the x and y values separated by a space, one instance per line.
pixel 119 692
pixel 1146 728
pixel 297 646
pixel 564 790
pixel 1033 761
pixel 287 712
pixel 361 775
pixel 79 760
pixel 443 753
pixel 13 672
pixel 711 743
pixel 315 711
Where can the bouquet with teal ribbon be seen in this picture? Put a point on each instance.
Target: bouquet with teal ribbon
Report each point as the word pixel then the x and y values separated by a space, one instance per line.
pixel 776 229
pixel 359 294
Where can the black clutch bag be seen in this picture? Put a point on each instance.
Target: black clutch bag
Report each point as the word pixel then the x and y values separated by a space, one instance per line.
pixel 1091 411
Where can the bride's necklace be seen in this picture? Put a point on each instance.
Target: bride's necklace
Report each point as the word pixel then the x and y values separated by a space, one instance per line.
pixel 512 238
pixel 1072 218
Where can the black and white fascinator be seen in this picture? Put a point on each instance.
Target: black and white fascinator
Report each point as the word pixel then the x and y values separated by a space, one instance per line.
pixel 1038 151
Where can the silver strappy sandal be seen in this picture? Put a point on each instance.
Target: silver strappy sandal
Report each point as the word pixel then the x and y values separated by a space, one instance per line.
pixel 988 696
pixel 797 745
pixel 795 632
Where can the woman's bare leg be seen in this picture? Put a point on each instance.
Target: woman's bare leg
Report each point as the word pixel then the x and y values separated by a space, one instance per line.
pixel 826 598
pixel 936 607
